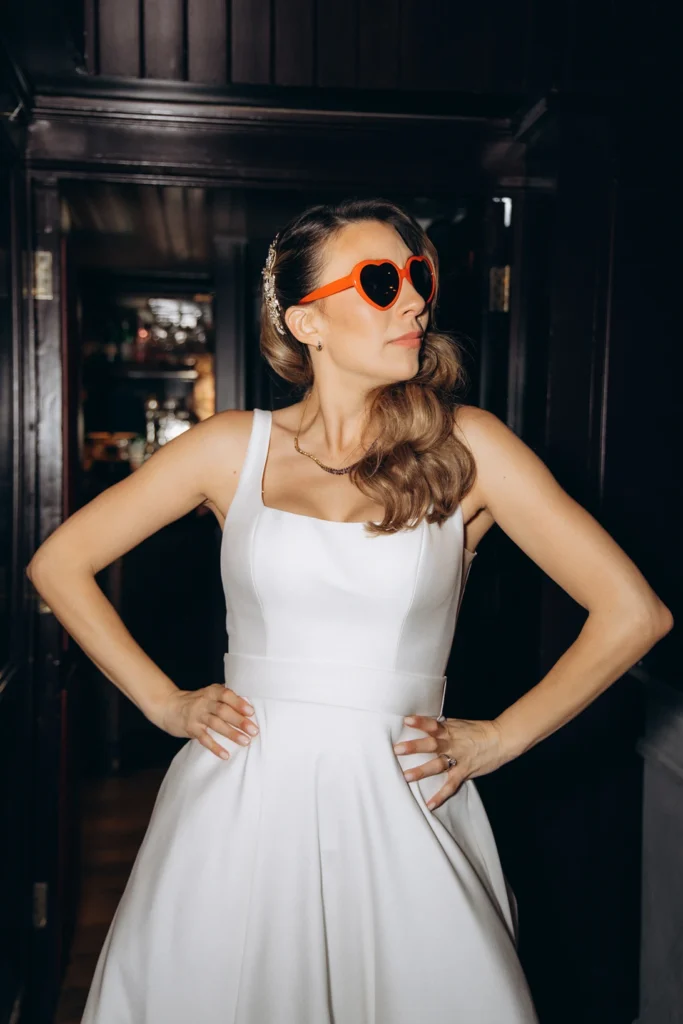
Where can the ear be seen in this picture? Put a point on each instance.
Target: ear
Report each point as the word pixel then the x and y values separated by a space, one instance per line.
pixel 303 323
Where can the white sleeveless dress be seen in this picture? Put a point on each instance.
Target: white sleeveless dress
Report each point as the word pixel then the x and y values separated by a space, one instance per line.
pixel 304 880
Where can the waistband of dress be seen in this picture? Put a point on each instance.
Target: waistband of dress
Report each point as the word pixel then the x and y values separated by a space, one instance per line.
pixel 337 683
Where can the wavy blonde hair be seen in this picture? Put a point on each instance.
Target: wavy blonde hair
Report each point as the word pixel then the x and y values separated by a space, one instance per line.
pixel 417 468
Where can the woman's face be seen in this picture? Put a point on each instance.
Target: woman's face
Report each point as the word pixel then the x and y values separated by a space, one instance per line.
pixel 356 337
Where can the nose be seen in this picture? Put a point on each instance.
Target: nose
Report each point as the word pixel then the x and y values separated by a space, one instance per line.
pixel 409 300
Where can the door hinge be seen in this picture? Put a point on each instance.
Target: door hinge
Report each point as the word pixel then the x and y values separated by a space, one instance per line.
pixel 42 274
pixel 499 289
pixel 39 904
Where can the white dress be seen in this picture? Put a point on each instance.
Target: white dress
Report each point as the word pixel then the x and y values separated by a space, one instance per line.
pixel 304 880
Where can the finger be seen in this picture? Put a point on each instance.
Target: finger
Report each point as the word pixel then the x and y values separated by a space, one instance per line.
pixel 232 733
pixel 234 700
pixel 209 742
pixel 421 771
pixel 426 744
pixel 230 715
pixel 447 790
pixel 423 722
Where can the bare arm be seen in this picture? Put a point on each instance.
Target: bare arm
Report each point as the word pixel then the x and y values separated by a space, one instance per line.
pixel 200 465
pixel 625 616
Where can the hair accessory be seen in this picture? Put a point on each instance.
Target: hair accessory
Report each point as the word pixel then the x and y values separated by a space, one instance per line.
pixel 272 304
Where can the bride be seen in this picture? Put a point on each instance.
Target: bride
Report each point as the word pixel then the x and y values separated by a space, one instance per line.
pixel 318 852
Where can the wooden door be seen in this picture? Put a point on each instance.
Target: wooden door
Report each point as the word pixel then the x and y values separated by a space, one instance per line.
pixel 53 656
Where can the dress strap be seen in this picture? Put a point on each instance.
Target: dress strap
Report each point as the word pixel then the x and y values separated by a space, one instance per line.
pixel 247 498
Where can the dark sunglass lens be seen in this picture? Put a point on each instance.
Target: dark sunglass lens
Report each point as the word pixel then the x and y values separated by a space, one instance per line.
pixel 380 283
pixel 421 277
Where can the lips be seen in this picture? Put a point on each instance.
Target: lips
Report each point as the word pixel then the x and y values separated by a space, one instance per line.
pixel 411 340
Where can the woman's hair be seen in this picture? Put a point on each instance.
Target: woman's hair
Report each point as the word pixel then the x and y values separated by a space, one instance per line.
pixel 417 468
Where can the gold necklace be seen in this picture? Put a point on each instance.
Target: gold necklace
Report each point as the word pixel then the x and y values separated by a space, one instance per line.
pixel 328 469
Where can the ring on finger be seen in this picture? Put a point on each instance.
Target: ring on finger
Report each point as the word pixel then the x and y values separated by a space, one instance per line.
pixel 450 761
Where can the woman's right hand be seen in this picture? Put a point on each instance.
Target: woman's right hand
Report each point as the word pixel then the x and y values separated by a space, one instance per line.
pixel 192 712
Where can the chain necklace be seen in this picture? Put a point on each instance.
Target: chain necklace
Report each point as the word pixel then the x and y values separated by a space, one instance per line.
pixel 328 469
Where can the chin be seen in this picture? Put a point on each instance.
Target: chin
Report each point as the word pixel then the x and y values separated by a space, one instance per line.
pixel 408 358
pixel 410 369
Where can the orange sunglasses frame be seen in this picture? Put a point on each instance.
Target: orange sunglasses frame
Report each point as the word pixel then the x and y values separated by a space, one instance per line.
pixel 352 280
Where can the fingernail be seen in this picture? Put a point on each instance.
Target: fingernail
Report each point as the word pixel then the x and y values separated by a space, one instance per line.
pixel 431 804
pixel 409 776
pixel 224 754
pixel 243 740
pixel 248 710
pixel 250 727
pixel 409 721
pixel 400 748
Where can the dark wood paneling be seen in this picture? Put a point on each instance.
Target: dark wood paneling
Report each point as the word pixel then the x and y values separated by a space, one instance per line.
pixel 592 44
pixel 207 41
pixel 470 57
pixel 90 59
pixel 465 47
pixel 509 30
pixel 264 146
pixel 489 46
pixel 547 35
pixel 427 37
pixel 576 350
pixel 533 222
pixel 436 43
pixel 48 708
pixel 229 275
pixel 164 39
pixel 379 45
pixel 643 485
pixel 336 44
pixel 583 782
pixel 251 33
pixel 16 609
pixel 294 47
pixel 119 37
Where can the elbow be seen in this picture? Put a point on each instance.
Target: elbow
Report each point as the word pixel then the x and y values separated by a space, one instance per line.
pixel 40 570
pixel 35 571
pixel 664 620
pixel 653 621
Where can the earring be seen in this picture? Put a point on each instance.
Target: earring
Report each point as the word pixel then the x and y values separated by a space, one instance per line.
pixel 319 346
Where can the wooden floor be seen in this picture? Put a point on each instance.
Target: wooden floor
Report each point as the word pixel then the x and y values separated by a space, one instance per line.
pixel 115 816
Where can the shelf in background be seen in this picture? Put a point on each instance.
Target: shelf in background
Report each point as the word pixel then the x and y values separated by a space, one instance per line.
pixel 145 372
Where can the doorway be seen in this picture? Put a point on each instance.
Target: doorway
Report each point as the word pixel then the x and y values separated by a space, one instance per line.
pixel 160 293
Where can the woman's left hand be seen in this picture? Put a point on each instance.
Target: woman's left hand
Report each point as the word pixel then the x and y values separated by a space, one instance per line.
pixel 476 746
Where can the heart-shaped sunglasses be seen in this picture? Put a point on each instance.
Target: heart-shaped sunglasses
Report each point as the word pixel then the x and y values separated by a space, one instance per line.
pixel 379 281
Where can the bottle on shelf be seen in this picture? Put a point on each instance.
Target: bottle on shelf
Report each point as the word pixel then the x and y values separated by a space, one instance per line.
pixel 127 344
pixel 151 415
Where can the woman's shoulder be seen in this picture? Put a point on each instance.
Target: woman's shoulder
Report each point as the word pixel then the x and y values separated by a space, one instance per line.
pixel 227 435
pixel 473 416
pixel 477 427
pixel 219 446
pixel 227 432
pixel 494 447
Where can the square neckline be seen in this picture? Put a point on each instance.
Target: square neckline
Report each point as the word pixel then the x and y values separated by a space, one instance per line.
pixel 297 515
pixel 318 519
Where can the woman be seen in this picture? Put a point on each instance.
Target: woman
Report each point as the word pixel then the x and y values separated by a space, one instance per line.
pixel 318 852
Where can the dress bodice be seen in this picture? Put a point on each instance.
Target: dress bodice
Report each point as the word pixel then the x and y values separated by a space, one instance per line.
pixel 313 589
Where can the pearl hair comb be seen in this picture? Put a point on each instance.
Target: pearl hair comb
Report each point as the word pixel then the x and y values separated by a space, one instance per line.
pixel 272 304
